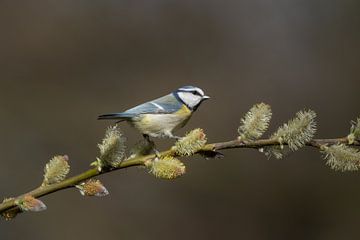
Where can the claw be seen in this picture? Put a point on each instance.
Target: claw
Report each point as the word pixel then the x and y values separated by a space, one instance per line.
pixel 157 153
pixel 152 144
pixel 177 138
pixel 170 135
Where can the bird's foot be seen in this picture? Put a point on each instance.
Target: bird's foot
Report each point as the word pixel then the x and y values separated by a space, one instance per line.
pixel 177 138
pixel 157 153
pixel 152 145
pixel 171 136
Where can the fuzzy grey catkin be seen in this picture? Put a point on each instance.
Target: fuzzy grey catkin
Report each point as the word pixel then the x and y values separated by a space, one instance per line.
pixel 295 134
pixel 112 148
pixel 341 157
pixel 255 122
pixel 56 170
pixel 354 131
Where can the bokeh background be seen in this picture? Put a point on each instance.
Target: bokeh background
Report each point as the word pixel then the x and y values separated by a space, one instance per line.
pixel 62 63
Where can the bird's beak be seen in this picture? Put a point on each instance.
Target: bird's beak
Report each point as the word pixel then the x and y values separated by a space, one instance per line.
pixel 205 97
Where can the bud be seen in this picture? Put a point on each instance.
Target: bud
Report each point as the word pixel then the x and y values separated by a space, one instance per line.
pixel 11 213
pixel 56 170
pixel 194 141
pixel 166 167
pixel 92 187
pixel 29 203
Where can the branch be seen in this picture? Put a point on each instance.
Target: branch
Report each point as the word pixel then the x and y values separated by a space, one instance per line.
pixel 261 143
pixel 293 135
pixel 140 161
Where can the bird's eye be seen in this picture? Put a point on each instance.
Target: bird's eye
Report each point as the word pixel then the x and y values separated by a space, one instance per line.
pixel 196 93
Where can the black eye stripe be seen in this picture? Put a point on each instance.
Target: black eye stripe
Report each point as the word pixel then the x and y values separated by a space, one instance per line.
pixel 195 92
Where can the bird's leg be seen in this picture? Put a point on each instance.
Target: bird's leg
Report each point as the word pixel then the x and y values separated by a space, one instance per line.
pixel 152 144
pixel 177 138
pixel 170 135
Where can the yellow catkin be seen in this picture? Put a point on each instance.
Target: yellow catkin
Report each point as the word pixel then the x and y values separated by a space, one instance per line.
pixel 191 143
pixel 166 168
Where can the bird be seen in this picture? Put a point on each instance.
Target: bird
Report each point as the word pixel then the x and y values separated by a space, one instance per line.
pixel 160 117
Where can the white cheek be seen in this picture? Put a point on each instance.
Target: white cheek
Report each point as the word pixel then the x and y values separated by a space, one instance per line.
pixel 190 99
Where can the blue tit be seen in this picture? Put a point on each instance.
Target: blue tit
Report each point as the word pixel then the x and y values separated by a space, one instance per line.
pixel 162 116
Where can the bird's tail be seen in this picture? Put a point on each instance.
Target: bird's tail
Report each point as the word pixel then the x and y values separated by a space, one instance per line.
pixel 115 116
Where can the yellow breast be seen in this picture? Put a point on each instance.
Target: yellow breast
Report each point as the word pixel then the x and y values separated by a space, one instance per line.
pixel 184 111
pixel 158 124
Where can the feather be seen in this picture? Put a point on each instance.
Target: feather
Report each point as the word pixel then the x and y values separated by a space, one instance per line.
pixel 118 116
pixel 164 105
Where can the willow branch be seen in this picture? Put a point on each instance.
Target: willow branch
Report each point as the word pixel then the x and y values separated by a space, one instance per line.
pixel 273 142
pixel 140 161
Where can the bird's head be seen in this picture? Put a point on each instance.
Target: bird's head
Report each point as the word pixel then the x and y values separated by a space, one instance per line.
pixel 191 96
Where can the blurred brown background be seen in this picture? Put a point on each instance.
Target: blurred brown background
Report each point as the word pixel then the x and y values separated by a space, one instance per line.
pixel 62 63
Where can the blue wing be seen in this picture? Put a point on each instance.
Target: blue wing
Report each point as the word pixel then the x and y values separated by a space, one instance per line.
pixel 164 105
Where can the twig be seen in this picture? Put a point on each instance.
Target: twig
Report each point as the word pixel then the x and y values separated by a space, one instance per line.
pixel 10 205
